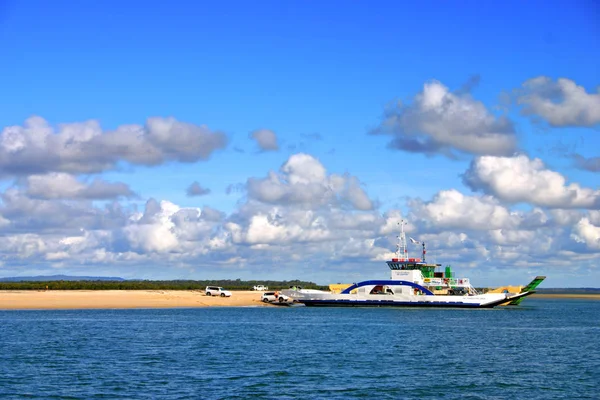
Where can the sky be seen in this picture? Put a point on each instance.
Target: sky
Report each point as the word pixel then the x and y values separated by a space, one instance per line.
pixel 288 139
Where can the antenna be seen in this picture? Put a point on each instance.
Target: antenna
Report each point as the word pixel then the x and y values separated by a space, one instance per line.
pixel 402 251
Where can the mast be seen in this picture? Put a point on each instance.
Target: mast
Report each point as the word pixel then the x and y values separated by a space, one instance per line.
pixel 401 250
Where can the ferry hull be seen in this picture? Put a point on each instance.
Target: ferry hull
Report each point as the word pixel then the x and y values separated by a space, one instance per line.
pixel 430 302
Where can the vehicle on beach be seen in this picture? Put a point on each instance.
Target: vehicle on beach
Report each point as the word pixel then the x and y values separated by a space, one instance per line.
pixel 217 291
pixel 413 283
pixel 272 297
pixel 260 288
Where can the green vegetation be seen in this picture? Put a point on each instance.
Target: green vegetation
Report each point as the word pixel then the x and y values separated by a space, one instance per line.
pixel 153 285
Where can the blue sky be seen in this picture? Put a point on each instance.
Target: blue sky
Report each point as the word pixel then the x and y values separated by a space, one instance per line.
pixel 309 94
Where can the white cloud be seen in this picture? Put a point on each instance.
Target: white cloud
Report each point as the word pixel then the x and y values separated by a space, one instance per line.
pixel 392 220
pixel 265 230
pixel 520 179
pixel 450 209
pixel 439 121
pixel 57 256
pixel 266 139
pixel 561 102
pixel 37 148
pixel 23 246
pixel 588 233
pixel 565 217
pixel 511 237
pixel 29 214
pixel 303 180
pixel 153 232
pixel 304 169
pixel 65 186
pixel 594 217
pixel 340 220
pixel 284 231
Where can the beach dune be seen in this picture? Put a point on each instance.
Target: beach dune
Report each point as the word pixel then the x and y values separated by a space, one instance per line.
pixel 79 299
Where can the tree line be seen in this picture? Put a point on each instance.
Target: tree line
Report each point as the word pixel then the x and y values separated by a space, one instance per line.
pixel 155 285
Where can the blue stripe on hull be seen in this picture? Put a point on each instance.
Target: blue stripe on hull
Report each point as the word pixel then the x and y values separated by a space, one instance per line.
pixel 388 303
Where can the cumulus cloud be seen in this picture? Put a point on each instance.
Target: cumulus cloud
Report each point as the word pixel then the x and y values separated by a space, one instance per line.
pixel 560 103
pixel 196 190
pixel 304 180
pixel 520 179
pixel 439 121
pixel 266 139
pixel 588 233
pixel 302 234
pixel 38 148
pixel 451 209
pixel 594 217
pixel 24 245
pixel 65 186
pixel 28 214
pixel 511 236
pixel 266 229
pixel 564 217
pixel 167 231
pixel 153 231
pixel 300 221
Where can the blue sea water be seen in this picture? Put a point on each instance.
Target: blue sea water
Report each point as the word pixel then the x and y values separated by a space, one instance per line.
pixel 543 349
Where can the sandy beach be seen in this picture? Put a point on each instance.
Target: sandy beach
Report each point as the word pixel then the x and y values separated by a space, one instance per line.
pixel 78 299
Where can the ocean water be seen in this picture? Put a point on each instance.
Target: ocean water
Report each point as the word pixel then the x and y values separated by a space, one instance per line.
pixel 544 349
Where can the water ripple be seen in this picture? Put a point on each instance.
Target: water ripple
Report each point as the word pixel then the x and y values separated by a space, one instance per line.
pixel 542 351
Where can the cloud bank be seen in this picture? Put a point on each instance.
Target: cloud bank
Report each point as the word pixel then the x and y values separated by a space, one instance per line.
pixel 39 148
pixel 439 121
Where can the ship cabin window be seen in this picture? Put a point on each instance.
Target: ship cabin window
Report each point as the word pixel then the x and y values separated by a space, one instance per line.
pixel 377 290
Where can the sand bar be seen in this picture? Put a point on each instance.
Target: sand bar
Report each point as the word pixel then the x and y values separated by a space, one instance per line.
pixel 79 299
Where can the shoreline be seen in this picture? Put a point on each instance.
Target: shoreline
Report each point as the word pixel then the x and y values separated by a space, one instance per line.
pixel 129 299
pixel 122 299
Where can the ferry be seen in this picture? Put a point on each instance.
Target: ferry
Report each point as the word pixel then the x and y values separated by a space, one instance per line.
pixel 413 283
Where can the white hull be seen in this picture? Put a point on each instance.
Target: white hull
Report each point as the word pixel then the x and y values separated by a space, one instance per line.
pixel 321 298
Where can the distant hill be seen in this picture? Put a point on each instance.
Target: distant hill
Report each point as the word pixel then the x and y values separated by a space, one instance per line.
pixel 59 278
